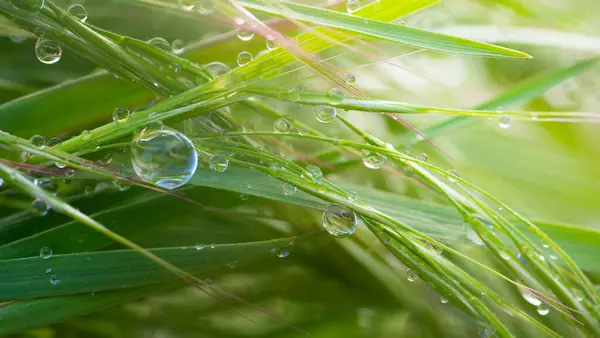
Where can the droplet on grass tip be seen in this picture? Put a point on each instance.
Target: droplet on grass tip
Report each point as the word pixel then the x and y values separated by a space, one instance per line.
pixel 39 207
pixel 504 122
pixel 160 43
pixel 163 157
pixel 339 221
pixel 48 51
pixel 218 163
pixel 243 58
pixel 325 114
pixel 373 160
pixel 120 114
pixel 79 12
pixel 45 252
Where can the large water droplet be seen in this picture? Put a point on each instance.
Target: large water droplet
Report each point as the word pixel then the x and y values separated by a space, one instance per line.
pixel 282 125
pixel 530 297
pixel 316 174
pixel 206 7
pixel 47 51
pixel 289 190
pixel 217 69
pixel 472 235
pixel 38 141
pixel 411 275
pixel 163 157
pixel 339 221
pixel 504 122
pixel 243 58
pixel 120 114
pixel 543 309
pixel 325 114
pixel 352 5
pixel 45 252
pixel 160 43
pixel 218 163
pixel 373 160
pixel 79 12
pixel 39 207
pixel 245 34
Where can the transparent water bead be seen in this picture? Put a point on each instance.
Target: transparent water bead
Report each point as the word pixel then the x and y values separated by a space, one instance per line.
pixel 335 96
pixel 245 34
pixel 352 6
pixel 38 141
pixel 472 235
pixel 282 125
pixel 530 297
pixel 218 163
pixel 48 51
pixel 160 43
pixel 243 58
pixel 339 221
pixel 39 207
pixel 120 114
pixel 411 275
pixel 543 309
pixel 45 252
pixel 289 190
pixel 373 160
pixel 79 12
pixel 504 122
pixel 217 69
pixel 163 157
pixel 316 174
pixel 325 114
pixel 206 7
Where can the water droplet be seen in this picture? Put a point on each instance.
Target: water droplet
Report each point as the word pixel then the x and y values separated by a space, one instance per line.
pixel 282 125
pixel 335 96
pixel 245 34
pixel 289 190
pixel 450 178
pixel 206 7
pixel 45 252
pixel 411 275
pixel 54 280
pixel 53 142
pixel 422 157
pixel 504 122
pixel 352 196
pixel 543 309
pixel 339 221
pixel 472 235
pixel 79 12
pixel 350 79
pixel 160 43
pixel 373 160
pixel 325 114
pixel 352 5
pixel 217 69
pixel 163 157
pixel 177 46
pixel 187 5
pixel 315 173
pixel 39 207
pixel 443 300
pixel 243 58
pixel 48 51
pixel 38 141
pixel 271 44
pixel 218 163
pixel 530 297
pixel 120 114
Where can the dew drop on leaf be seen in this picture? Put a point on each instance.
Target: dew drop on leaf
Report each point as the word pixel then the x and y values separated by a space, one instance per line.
pixel 163 157
pixel 48 51
pixel 339 221
pixel 78 12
